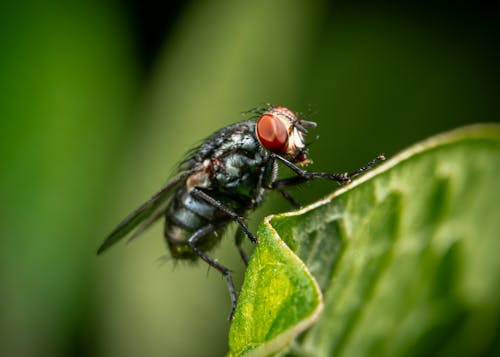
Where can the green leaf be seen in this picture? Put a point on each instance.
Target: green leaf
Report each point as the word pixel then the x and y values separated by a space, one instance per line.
pixel 406 258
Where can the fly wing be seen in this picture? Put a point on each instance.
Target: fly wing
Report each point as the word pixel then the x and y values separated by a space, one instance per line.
pixel 146 214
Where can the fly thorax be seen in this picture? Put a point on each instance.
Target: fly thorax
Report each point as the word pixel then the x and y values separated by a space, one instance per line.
pixel 247 142
pixel 201 177
pixel 238 168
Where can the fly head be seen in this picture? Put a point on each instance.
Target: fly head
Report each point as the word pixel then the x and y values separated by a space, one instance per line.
pixel 279 130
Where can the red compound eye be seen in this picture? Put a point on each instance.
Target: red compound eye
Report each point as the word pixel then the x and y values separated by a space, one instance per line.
pixel 272 133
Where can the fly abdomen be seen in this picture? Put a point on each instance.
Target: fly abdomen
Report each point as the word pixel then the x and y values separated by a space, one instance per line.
pixel 185 215
pixel 200 208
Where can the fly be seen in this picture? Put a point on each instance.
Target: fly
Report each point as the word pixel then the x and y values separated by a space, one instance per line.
pixel 225 178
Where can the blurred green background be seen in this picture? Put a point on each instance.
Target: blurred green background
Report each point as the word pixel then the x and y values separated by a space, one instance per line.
pixel 100 99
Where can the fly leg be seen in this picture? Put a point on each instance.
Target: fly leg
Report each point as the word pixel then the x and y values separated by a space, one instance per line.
pixel 269 178
pixel 287 196
pixel 238 239
pixel 342 178
pixel 219 205
pixel 279 186
pixel 197 235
